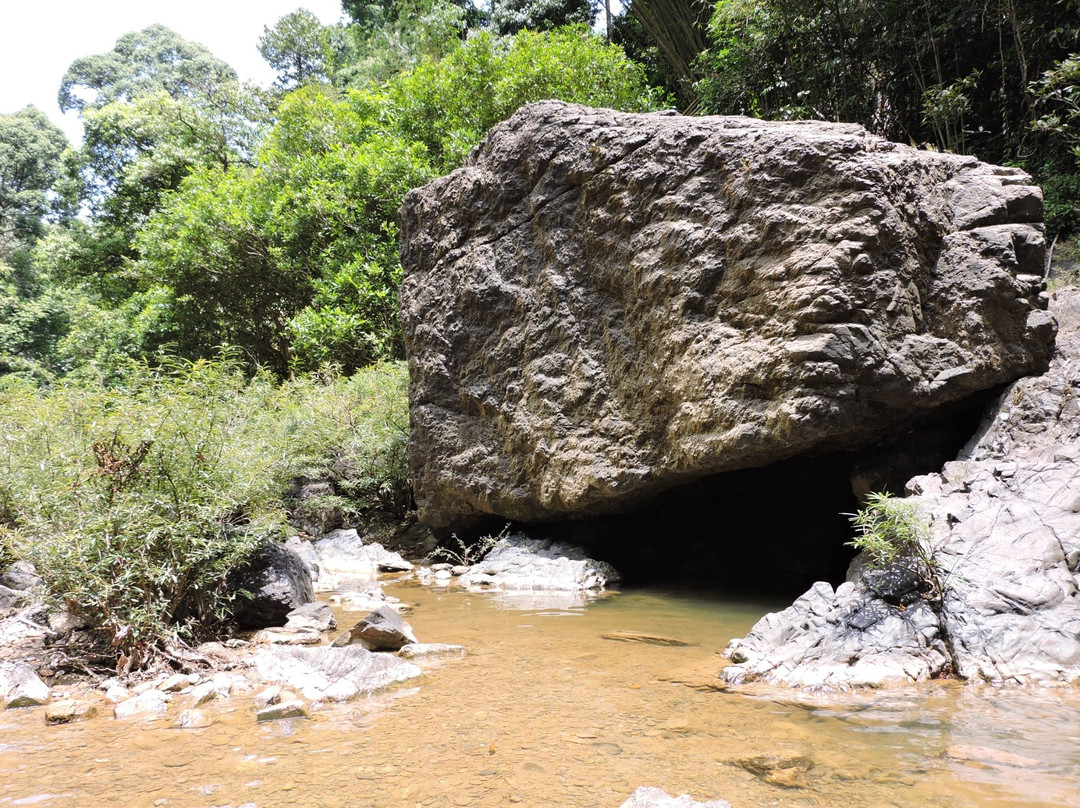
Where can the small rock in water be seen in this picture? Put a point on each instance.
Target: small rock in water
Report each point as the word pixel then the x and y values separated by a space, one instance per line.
pixel 202 693
pixel 150 702
pixel 657 798
pixel 288 635
pixel 174 683
pixel 382 630
pixel 20 686
pixel 315 615
pixel 645 639
pixel 787 772
pixel 69 710
pixel 272 695
pixel 117 694
pixel 431 649
pixel 286 709
pixel 192 719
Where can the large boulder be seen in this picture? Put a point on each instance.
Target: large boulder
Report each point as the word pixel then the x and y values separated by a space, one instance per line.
pixel 1004 532
pixel 277 580
pixel 599 306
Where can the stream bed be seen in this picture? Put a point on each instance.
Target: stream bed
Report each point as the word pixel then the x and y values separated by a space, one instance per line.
pixel 559 703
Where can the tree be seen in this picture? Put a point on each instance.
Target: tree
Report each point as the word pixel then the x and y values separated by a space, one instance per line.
pixel 678 28
pixel 30 150
pixel 310 227
pixel 300 48
pixel 141 63
pixel 449 104
pixel 511 16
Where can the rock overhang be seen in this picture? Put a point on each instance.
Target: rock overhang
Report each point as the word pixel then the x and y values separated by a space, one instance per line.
pixel 600 306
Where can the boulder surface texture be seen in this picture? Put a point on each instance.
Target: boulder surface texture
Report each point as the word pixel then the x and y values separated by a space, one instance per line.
pixel 1004 530
pixel 599 306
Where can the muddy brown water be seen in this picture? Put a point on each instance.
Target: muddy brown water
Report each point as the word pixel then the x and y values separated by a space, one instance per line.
pixel 546 711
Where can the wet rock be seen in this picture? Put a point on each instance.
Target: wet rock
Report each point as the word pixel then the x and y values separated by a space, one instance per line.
pixel 344 553
pixel 521 563
pixel 645 797
pixel 316 615
pixel 382 630
pixel 148 703
pixel 287 635
pixel 786 772
pixel 1004 532
pixel 202 693
pixel 897 585
pixel 601 306
pixel 644 639
pixel 314 670
pixel 286 709
pixel 279 582
pixel 67 711
pixel 431 649
pixel 20 686
pixel 192 719
pixel 271 695
pixel 367 601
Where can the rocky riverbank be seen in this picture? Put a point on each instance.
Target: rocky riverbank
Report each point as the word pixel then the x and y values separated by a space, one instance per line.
pixel 1004 534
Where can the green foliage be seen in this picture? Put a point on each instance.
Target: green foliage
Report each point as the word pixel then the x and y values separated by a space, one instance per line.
pixel 953 74
pixel 30 150
pixel 449 104
pixel 310 231
pixel 468 554
pixel 889 528
pixel 135 502
pixel 299 48
pixel 511 16
pixel 141 63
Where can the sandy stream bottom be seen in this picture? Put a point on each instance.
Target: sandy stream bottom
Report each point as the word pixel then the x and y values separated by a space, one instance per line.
pixel 544 711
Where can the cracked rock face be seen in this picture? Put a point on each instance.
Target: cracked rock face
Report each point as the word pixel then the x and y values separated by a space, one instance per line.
pixel 600 306
pixel 1005 529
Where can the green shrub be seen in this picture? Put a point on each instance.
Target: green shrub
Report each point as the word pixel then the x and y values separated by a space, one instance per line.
pixel 134 504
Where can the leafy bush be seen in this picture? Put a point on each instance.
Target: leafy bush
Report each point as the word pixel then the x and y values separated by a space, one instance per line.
pixel 135 503
pixel 892 531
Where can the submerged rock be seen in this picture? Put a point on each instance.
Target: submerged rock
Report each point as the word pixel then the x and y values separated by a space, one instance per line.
pixel 147 703
pixel 532 564
pixel 600 306
pixel 656 798
pixel 1004 530
pixel 313 671
pixel 68 711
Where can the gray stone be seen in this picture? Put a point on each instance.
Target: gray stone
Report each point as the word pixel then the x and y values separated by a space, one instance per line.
pixel 11 598
pixel 382 630
pixel 600 306
pixel 286 709
pixel 202 693
pixel 431 649
pixel 279 582
pixel 68 711
pixel 344 553
pixel 21 576
pixel 315 615
pixel 20 686
pixel 519 563
pixel 645 797
pixel 287 635
pixel 192 719
pixel 1004 530
pixel 148 703
pixel 315 670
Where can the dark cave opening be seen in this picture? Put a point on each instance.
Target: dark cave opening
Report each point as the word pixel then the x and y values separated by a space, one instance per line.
pixel 771 530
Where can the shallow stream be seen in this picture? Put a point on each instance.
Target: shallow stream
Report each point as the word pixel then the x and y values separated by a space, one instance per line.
pixel 546 711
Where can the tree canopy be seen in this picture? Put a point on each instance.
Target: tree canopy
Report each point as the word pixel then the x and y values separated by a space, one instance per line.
pixel 30 150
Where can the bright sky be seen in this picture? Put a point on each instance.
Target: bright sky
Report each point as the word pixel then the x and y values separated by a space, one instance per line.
pixel 39 39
